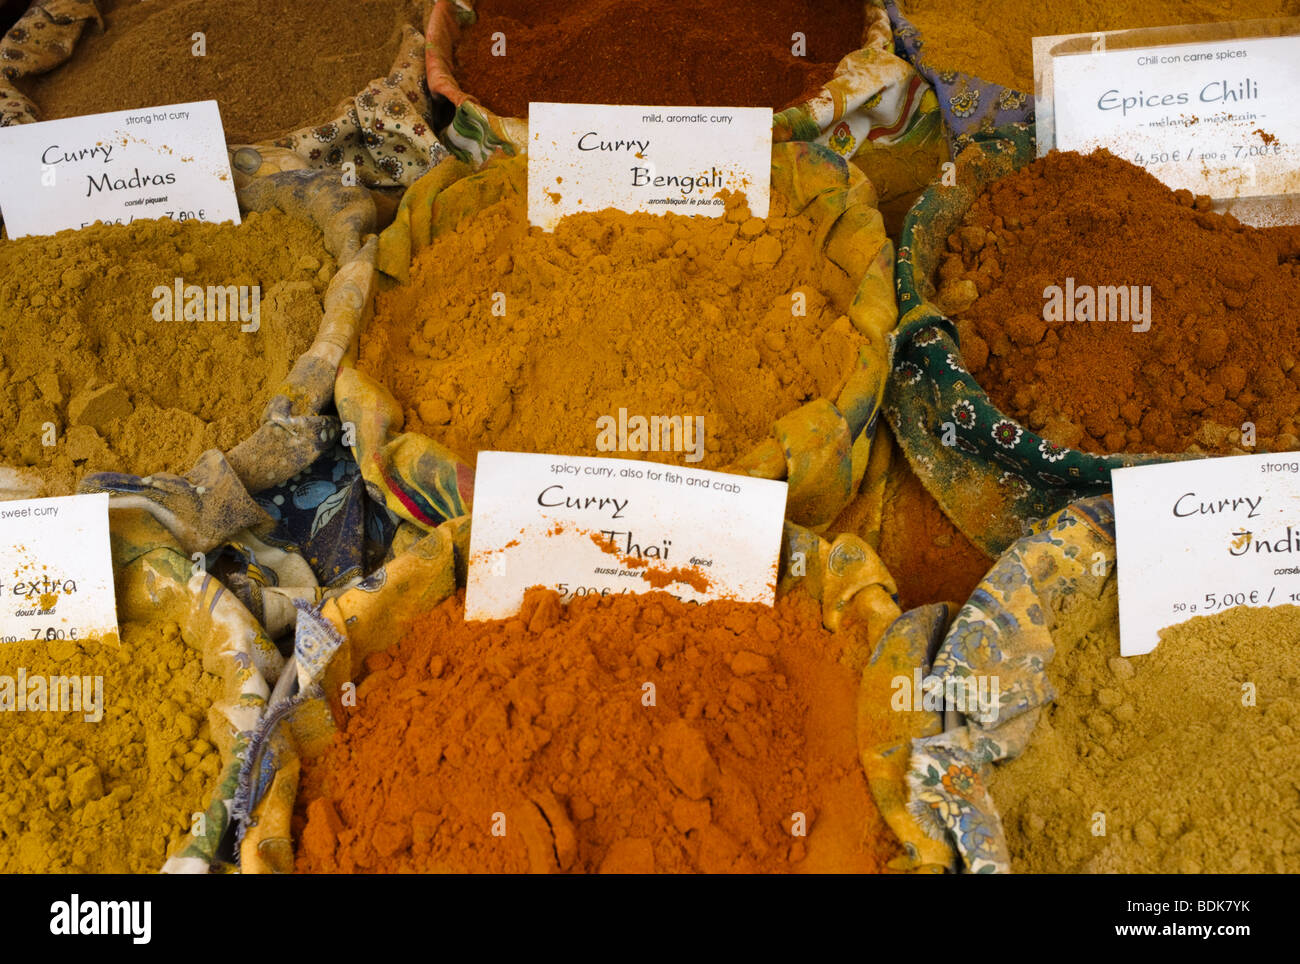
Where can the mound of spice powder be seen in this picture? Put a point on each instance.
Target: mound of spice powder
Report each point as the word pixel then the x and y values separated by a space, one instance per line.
pixel 1188 753
pixel 929 557
pixel 993 39
pixel 685 54
pixel 627 734
pixel 1222 345
pixel 110 783
pixel 272 65
pixel 510 338
pixel 92 381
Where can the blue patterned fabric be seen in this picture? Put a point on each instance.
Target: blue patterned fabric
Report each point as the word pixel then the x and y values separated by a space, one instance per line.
pixel 969 104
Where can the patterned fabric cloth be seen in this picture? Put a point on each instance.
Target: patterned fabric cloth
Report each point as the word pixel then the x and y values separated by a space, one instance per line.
pixel 821 449
pixel 327 534
pixel 155 579
pixel 1005 633
pixel 208 505
pixel 324 514
pixel 906 648
pixel 383 132
pixel 992 475
pixel 969 105
pixel 42 39
pixel 875 98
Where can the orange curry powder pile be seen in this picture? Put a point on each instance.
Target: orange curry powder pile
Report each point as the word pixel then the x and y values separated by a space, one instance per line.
pixel 626 734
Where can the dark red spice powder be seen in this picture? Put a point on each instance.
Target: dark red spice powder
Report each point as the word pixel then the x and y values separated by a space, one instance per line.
pixel 1223 346
pixel 689 53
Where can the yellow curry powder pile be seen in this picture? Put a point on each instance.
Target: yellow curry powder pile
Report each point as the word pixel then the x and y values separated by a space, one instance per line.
pixel 80 349
pixel 656 315
pixel 113 795
pixel 1188 753
pixel 993 39
pixel 626 734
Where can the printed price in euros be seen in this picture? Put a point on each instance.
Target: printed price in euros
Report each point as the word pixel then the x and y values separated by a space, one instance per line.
pixel 1257 150
pixel 1215 601
pixel 1159 157
pixel 50 634
pixel 565 592
pixel 185 215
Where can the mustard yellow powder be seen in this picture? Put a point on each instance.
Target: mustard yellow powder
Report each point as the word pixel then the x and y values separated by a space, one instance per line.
pixel 1184 759
pixel 510 338
pixel 993 39
pixel 85 365
pixel 117 795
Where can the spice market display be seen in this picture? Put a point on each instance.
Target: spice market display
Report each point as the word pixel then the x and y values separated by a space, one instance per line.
pixel 486 436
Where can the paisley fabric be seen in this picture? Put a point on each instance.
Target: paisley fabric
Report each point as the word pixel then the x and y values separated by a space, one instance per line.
pixel 156 579
pixel 382 136
pixel 1004 633
pixel 969 105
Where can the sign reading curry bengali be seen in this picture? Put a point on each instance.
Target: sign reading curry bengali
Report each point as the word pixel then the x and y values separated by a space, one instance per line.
pixel 588 157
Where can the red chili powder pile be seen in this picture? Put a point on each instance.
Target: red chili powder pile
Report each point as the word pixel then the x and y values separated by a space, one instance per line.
pixel 1223 342
pixel 626 734
pixel 688 53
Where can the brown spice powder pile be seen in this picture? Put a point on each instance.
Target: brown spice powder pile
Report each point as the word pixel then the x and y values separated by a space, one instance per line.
pixel 79 346
pixel 659 315
pixel 1224 342
pixel 272 65
pixel 1192 772
pixel 688 53
pixel 541 721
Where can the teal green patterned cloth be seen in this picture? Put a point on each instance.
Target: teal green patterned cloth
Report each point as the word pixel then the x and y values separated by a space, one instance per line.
pixel 1004 634
pixel 992 476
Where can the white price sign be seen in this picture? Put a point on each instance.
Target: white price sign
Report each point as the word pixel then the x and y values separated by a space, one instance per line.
pixel 1213 116
pixel 588 157
pixel 587 526
pixel 130 165
pixel 56 569
pixel 1197 537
